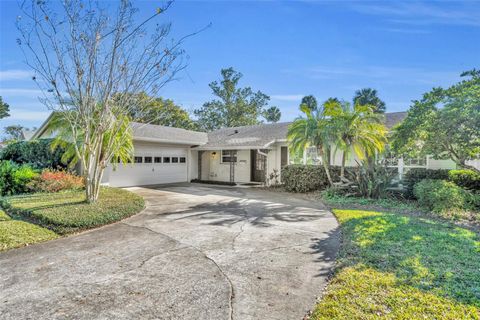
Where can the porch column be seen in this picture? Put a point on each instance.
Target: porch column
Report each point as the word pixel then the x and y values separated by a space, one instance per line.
pixel 233 157
pixel 199 170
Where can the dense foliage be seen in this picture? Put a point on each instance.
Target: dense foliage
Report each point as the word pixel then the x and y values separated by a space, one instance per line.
pixel 55 181
pixel 38 153
pixel 305 178
pixel 4 109
pixel 233 106
pixel 14 178
pixel 372 180
pixel 272 114
pixel 467 179
pixel 369 96
pixel 440 195
pixel 444 123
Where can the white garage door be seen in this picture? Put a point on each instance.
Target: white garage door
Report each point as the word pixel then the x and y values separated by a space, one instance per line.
pixel 152 166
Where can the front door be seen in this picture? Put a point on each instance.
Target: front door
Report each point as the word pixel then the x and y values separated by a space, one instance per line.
pixel 258 162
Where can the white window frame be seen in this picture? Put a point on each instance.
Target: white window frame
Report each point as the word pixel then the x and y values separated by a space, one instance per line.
pixel 228 155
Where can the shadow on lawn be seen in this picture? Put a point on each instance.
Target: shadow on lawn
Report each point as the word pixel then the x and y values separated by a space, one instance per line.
pixel 432 256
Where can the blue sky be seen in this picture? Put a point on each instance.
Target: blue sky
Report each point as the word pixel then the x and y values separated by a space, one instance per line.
pixel 291 49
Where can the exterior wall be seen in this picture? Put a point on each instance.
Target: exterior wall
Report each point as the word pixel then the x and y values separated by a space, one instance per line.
pixel 218 171
pixel 440 164
pixel 474 163
pixel 274 161
pixel 192 161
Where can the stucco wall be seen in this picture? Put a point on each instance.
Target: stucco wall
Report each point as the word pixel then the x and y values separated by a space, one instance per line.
pixel 218 171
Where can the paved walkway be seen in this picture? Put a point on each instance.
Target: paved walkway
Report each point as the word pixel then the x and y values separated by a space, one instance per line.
pixel 195 252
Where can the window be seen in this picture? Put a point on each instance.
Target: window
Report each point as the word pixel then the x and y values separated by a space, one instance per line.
pixel 157 159
pixel 229 156
pixel 166 159
pixel 183 159
pixel 148 159
pixel 138 159
pixel 174 159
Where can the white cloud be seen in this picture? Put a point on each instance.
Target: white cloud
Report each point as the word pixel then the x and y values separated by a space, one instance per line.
pixel 15 74
pixel 287 97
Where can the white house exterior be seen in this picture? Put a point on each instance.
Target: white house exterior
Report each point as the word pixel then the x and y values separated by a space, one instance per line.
pixel 248 154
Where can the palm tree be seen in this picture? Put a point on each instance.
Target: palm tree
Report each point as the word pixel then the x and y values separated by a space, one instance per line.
pixel 272 114
pixel 358 130
pixel 313 130
pixel 368 96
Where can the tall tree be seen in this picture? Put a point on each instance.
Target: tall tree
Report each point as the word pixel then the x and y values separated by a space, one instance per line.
pixel 84 55
pixel 272 114
pixel 312 130
pixel 369 96
pixel 14 132
pixel 234 106
pixel 310 102
pixel 162 112
pixel 444 123
pixel 358 130
pixel 4 109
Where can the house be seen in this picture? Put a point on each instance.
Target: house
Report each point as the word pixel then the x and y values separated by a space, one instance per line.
pixel 247 154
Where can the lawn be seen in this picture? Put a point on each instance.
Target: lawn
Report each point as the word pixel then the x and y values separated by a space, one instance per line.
pixel 44 216
pixel 397 266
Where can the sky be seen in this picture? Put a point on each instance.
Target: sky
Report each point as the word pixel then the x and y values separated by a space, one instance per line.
pixel 290 49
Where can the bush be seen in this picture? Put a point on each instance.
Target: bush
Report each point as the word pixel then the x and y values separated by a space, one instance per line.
pixel 415 175
pixel 37 153
pixel 305 178
pixel 467 179
pixel 373 180
pixel 440 195
pixel 14 178
pixel 55 181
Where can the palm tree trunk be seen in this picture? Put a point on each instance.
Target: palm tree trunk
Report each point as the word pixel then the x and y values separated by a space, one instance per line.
pixel 325 165
pixel 342 169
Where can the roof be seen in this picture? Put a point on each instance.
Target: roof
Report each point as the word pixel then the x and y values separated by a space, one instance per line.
pixel 255 137
pixel 156 133
pixel 394 118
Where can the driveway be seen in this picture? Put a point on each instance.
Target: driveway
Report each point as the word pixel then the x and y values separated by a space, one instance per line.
pixel 195 252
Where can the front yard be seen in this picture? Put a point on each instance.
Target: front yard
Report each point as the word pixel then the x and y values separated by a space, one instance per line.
pixel 399 266
pixel 44 216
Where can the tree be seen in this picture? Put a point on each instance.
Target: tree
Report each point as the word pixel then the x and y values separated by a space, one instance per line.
pixel 162 112
pixel 234 107
pixel 88 61
pixel 357 129
pixel 368 96
pixel 310 102
pixel 444 123
pixel 312 130
pixel 4 109
pixel 272 114
pixel 14 132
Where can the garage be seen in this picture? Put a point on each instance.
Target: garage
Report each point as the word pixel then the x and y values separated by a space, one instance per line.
pixel 161 155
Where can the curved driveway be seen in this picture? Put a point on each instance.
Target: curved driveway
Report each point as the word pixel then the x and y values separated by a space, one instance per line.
pixel 195 252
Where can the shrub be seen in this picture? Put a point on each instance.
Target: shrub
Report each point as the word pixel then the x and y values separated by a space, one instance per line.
pixel 305 178
pixel 467 179
pixel 415 175
pixel 373 180
pixel 37 153
pixel 55 181
pixel 14 178
pixel 440 195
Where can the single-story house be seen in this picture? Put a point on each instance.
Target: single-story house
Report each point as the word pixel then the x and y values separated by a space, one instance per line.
pixel 247 154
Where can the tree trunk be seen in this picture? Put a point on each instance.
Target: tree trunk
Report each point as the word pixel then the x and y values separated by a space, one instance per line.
pixel 326 166
pixel 342 168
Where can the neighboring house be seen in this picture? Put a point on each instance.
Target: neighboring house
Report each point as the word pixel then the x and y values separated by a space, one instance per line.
pixel 242 154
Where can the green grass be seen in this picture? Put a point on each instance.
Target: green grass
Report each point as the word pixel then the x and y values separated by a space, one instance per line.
pixel 17 233
pixel 67 212
pixel 395 266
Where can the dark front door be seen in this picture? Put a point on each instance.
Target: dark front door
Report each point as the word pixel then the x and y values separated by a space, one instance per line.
pixel 258 163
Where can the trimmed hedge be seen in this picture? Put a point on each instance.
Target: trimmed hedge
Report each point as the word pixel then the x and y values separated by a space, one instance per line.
pixel 415 175
pixel 467 179
pixel 305 178
pixel 440 195
pixel 15 178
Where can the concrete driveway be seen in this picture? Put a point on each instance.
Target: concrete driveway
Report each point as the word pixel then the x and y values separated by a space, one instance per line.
pixel 196 252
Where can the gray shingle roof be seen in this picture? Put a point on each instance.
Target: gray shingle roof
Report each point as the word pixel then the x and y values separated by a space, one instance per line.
pixel 153 132
pixel 256 136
